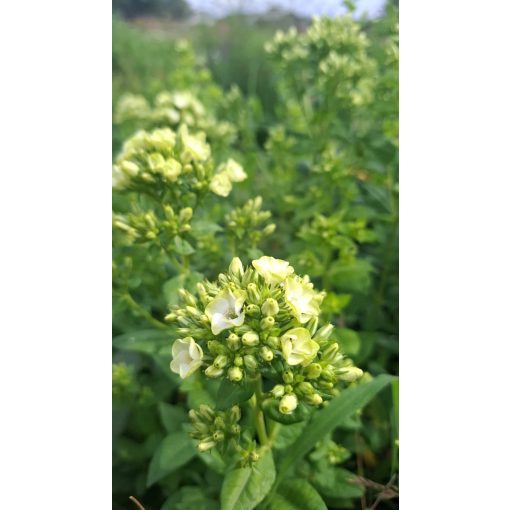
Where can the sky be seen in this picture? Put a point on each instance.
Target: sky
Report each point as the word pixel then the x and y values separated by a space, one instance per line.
pixel 301 7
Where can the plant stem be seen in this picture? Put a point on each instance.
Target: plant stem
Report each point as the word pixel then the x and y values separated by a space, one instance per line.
pixel 143 312
pixel 260 423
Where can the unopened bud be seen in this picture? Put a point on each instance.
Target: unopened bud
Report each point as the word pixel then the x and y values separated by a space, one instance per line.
pixel 206 412
pixel 324 333
pixel 288 403
pixel 270 307
pixel 235 429
pixel 350 374
pixel 314 400
pixel 218 436
pixel 312 325
pixel 313 371
pixel 253 310
pixel 269 229
pixel 238 361
pixel 328 375
pixel 235 413
pixel 213 372
pixel 235 374
pixel 250 362
pixel 250 339
pixel 306 388
pixel 185 215
pixel 273 342
pixel 330 352
pixel 220 361
pixel 267 322
pixel 236 267
pixel 219 422
pixel 205 445
pixel 233 342
pixel 253 292
pixel 288 376
pixel 278 391
pixel 254 456
pixel 266 353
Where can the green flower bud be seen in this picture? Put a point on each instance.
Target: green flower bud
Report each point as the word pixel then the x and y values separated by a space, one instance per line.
pixel 235 374
pixel 213 372
pixel 288 376
pixel 325 385
pixel 329 353
pixel 219 422
pixel 273 342
pixel 185 215
pixel 269 229
pixel 236 267
pixel 235 413
pixel 201 428
pixel 267 322
pixel 254 456
pixel 233 342
pixel 250 339
pixel 220 361
pixel 253 293
pixel 289 388
pixel 250 362
pixel 193 416
pixel 266 353
pixel 253 310
pixel 328 375
pixel 270 307
pixel 206 412
pixel 215 347
pixel 288 403
pixel 170 317
pixel 314 400
pixel 306 388
pixel 313 371
pixel 350 374
pixel 205 445
pixel 235 429
pixel 312 325
pixel 324 333
pixel 218 436
pixel 238 361
pixel 278 391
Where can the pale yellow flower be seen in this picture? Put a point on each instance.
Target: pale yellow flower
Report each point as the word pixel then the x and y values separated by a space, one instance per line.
pixel 302 299
pixel 187 357
pixel 298 347
pixel 273 270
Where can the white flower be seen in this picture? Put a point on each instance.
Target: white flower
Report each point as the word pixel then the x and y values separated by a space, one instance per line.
pixel 187 357
pixel 233 170
pixel 272 270
pixel 224 311
pixel 288 403
pixel 298 347
pixel 194 147
pixel 221 184
pixel 302 299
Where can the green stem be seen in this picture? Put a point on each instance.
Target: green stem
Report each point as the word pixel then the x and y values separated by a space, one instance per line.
pixel 260 423
pixel 143 312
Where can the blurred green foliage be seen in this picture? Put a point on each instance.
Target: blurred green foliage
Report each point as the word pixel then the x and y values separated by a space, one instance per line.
pixel 315 126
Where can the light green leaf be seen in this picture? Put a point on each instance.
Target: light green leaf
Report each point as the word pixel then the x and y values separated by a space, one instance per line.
pixel 297 495
pixel 330 417
pixel 172 417
pixel 172 453
pixel 182 247
pixel 147 341
pixel 245 488
pixel 230 393
pixel 337 483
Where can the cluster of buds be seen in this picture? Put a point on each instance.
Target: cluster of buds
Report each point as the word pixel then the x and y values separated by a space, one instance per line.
pixel 216 428
pixel 331 57
pixel 247 222
pixel 148 226
pixel 179 163
pixel 261 321
pixel 171 109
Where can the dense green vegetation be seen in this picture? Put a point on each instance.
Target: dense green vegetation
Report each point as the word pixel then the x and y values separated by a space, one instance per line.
pixel 256 142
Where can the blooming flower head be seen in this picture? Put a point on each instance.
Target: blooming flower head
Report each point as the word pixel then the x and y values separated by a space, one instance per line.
pixel 272 270
pixel 233 170
pixel 187 357
pixel 298 347
pixel 224 311
pixel 302 299
pixel 221 184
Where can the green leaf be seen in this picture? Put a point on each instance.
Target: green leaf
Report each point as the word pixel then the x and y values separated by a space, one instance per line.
pixel 201 228
pixel 349 341
pixel 337 482
pixel 288 434
pixel 186 281
pixel 297 495
pixel 230 393
pixel 182 247
pixel 245 488
pixel 172 453
pixel 147 341
pixel 327 419
pixel 172 417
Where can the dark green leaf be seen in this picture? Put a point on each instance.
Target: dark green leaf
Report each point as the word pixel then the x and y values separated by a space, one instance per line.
pixel 230 393
pixel 245 488
pixel 172 453
pixel 172 417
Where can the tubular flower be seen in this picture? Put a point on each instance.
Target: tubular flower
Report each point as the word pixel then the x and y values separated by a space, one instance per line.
pixel 302 299
pixel 273 270
pixel 224 311
pixel 187 357
pixel 298 347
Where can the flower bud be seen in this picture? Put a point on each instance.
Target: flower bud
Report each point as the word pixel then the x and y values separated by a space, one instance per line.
pixel 324 333
pixel 254 456
pixel 270 307
pixel 250 362
pixel 267 322
pixel 235 413
pixel 218 436
pixel 236 267
pixel 205 445
pixel 238 361
pixel 201 429
pixel 330 352
pixel 233 342
pixel 250 339
pixel 213 372
pixel 219 422
pixel 288 403
pixel 289 388
pixel 235 374
pixel 314 400
pixel 253 293
pixel 313 371
pixel 312 325
pixel 350 374
pixel 185 215
pixel 328 375
pixel 269 229
pixel 220 361
pixel 170 317
pixel 273 342
pixel 278 391
pixel 253 310
pixel 266 353
pixel 235 429
pixel 288 376
pixel 306 388
pixel 206 412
